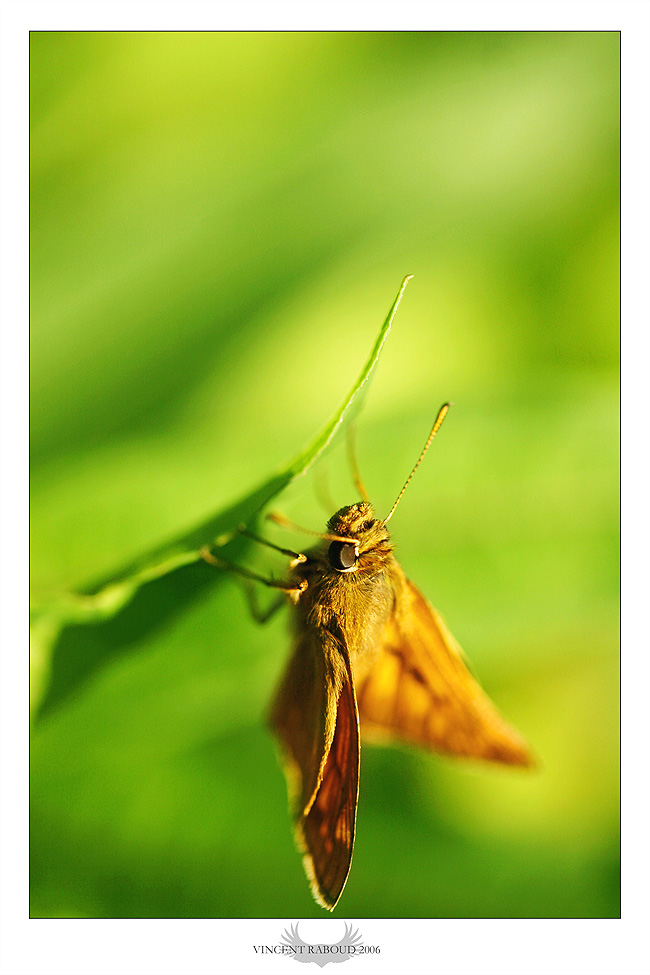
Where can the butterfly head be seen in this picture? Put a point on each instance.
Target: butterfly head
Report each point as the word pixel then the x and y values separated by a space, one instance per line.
pixel 369 547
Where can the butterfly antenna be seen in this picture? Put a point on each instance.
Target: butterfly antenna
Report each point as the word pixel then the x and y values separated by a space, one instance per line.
pixel 322 490
pixel 354 467
pixel 442 413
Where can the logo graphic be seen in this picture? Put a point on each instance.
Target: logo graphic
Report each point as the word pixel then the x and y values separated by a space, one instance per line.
pixel 323 954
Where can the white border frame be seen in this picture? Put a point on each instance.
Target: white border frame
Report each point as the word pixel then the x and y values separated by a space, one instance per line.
pixel 193 947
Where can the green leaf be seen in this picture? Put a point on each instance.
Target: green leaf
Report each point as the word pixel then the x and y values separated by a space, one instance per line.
pixel 52 615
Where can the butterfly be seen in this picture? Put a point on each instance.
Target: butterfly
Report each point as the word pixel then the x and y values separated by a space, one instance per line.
pixel 370 655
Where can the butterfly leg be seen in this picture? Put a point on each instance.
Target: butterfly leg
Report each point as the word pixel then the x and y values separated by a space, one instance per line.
pixel 259 614
pixel 297 557
pixel 293 591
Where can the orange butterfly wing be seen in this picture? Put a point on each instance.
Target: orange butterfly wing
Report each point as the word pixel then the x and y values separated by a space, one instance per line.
pixel 315 718
pixel 418 689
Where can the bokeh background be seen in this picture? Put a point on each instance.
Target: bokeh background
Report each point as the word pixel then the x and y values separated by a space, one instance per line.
pixel 220 222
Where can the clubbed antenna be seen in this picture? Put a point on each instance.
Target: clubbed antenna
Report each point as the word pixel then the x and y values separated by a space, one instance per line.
pixel 442 413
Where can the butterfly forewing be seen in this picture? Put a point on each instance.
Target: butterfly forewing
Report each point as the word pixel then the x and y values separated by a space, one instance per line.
pixel 417 688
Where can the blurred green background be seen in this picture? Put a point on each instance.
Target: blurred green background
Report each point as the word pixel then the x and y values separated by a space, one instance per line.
pixel 220 222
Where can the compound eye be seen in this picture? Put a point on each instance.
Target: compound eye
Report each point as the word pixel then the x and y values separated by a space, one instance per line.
pixel 342 555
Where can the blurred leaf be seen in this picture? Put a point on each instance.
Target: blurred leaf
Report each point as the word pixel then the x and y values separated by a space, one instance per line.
pixel 106 600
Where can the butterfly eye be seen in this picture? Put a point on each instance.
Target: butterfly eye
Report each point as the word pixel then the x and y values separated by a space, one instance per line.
pixel 342 555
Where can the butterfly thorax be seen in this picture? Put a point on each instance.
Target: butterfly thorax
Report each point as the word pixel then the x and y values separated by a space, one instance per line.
pixel 352 601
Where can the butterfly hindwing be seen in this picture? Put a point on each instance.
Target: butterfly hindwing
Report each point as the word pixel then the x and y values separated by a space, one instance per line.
pixel 418 689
